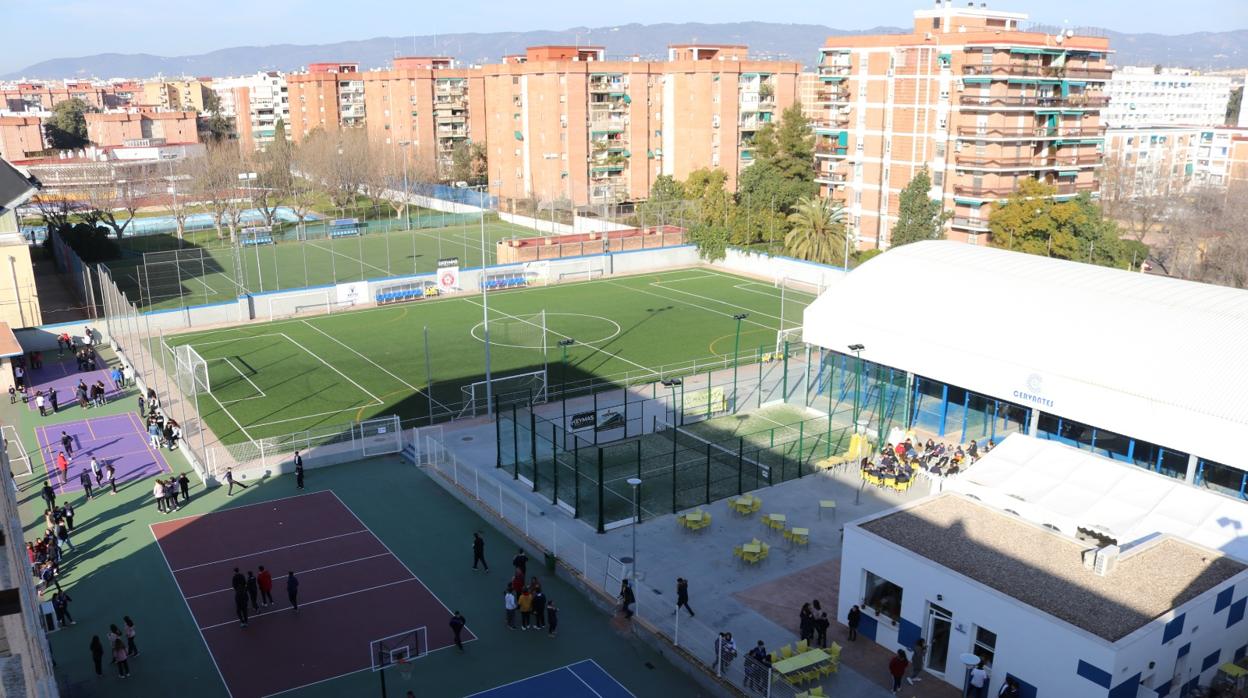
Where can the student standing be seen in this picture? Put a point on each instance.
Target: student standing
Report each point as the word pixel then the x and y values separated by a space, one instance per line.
pixel 153 434
pixel 627 598
pixel 478 552
pixel 916 663
pixel 682 596
pixel 457 626
pixel 756 671
pixel 298 470
pixel 239 583
pixel 552 617
pixel 140 405
pixel 852 620
pixel 184 484
pixel 97 656
pixel 60 606
pixel 96 470
pixel 897 668
pixel 525 603
pixel 158 491
pixel 253 590
pixel 979 680
pixel 821 624
pixel 49 495
pixel 67 442
pixel 56 406
pixel 132 648
pixel 229 479
pixel 265 581
pixel 68 513
pixel 84 479
pixel 806 623
pixel 120 659
pixel 521 562
pixel 43 410
pixel 509 606
pixel 110 476
pixel 292 590
pixel 62 535
pixel 539 607
pixel 62 466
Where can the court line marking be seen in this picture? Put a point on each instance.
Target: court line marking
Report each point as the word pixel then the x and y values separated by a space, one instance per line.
pixel 167 522
pixel 362 356
pixel 307 571
pixel 313 603
pixel 331 367
pixel 232 339
pixel 239 371
pixel 45 451
pixel 685 302
pixel 570 668
pixel 189 612
pixel 21 448
pixel 270 550
pixel 753 311
pixel 147 441
pixel 604 672
pixel 596 350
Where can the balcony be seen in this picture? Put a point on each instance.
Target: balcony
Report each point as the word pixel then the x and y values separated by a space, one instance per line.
pixel 997 102
pixel 832 96
pixel 831 178
pixel 964 223
pixel 608 84
pixel 832 73
pixel 1031 132
pixel 1002 191
pixel 1039 161
pixel 831 150
pixel 1035 70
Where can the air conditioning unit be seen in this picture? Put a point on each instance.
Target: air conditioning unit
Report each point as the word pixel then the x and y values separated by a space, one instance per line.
pixel 1106 560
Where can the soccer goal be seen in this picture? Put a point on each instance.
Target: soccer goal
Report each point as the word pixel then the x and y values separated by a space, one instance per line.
pixel 791 337
pixel 191 370
pixel 519 389
pixel 380 436
pixel 19 460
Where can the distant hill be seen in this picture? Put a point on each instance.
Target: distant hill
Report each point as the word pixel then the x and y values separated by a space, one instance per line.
pixel 800 42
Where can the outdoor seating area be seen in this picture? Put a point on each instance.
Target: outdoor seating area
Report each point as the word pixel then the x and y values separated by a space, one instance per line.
pixel 746 505
pixel 806 665
pixel 753 552
pixel 695 520
pixel 899 482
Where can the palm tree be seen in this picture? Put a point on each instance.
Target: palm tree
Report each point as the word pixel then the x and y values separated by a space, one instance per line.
pixel 818 232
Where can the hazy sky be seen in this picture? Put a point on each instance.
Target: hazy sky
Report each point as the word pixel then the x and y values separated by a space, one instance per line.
pixel 61 28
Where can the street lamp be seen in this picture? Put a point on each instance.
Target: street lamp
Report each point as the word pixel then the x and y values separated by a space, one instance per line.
pixel 857 349
pixel 563 387
pixel 406 219
pixel 736 347
pixel 635 482
pixel 672 383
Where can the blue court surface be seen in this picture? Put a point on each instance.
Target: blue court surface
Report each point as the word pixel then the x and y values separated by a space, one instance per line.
pixel 584 679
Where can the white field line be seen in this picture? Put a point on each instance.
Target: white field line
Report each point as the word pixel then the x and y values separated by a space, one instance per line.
pixel 331 367
pixel 354 259
pixel 689 303
pixel 381 368
pixel 255 387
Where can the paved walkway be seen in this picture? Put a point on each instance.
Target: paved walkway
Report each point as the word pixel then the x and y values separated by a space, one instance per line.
pixel 57 300
pixel 752 602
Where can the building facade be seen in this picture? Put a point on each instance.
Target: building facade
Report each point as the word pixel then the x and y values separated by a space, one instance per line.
pixel 1161 160
pixel 326 96
pixel 1141 96
pixel 41 97
pixel 175 95
pixel 21 137
pixel 254 103
pixel 980 103
pixel 113 129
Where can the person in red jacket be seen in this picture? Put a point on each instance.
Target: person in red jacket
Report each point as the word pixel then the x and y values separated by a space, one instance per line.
pixel 265 581
pixel 897 667
pixel 62 464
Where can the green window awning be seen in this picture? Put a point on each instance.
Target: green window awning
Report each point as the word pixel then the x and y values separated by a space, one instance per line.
pixel 749 75
pixel 967 202
pixel 628 100
pixel 976 81
pixel 1068 173
pixel 832 78
pixel 519 136
pixel 1048 112
pixel 1027 51
pixel 1077 83
pixel 1187 169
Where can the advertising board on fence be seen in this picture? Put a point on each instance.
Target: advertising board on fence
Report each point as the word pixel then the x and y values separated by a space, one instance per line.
pixel 448 274
pixel 584 420
pixel 695 401
pixel 351 293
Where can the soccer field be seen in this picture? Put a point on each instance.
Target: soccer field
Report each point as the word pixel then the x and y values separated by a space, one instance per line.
pixel 224 273
pixel 276 378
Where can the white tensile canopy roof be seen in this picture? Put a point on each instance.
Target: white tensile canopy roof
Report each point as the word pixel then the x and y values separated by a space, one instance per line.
pixel 1149 357
pixel 1047 482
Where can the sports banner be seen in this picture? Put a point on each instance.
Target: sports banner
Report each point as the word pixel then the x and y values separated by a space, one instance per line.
pixel 695 401
pixel 448 274
pixel 352 293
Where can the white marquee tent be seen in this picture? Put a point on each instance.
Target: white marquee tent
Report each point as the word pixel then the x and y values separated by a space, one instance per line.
pixel 1047 482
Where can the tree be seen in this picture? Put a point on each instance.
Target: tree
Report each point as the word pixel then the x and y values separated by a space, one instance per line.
pixel 789 146
pixel 336 163
pixel 818 231
pixel 919 216
pixel 666 203
pixel 1233 105
pixel 217 126
pixel 712 205
pixel 55 209
pixel 67 127
pixel 1031 221
pixel 108 199
pixel 279 132
pixel 181 194
pixel 468 163
pixel 215 184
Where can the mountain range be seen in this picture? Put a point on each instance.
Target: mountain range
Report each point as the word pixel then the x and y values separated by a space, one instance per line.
pixel 800 42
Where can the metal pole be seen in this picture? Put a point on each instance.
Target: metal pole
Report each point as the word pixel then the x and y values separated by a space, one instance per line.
pixel 636 484
pixel 428 376
pixel 485 313
pixel 736 349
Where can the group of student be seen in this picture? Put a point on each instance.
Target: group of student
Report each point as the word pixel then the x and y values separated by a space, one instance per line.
pixel 258 590
pixel 119 653
pixel 45 553
pixel 536 611
pixel 166 492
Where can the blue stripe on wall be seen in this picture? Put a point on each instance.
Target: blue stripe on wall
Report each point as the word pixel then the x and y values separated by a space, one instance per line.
pixel 1237 612
pixel 1239 653
pixel 1094 674
pixel 1224 599
pixel 1164 689
pixel 867 627
pixel 1211 660
pixel 1126 689
pixel 1025 690
pixel 1184 650
pixel 1173 629
pixel 908 633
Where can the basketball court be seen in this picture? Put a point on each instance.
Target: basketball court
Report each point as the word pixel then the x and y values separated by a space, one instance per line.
pixel 584 679
pixel 360 607
pixel 119 440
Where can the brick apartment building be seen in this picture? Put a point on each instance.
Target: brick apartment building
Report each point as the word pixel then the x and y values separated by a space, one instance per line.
pixel 254 103
pixel 971 96
pixel 115 129
pixel 20 137
pixel 560 122
pixel 40 97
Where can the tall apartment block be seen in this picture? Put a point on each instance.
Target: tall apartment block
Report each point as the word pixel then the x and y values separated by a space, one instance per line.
pixel 40 97
pixel 328 95
pixel 1148 97
pixel 255 103
pixel 564 123
pixel 175 95
pixel 969 95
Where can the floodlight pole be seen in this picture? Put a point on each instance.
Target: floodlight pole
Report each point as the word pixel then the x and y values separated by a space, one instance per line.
pixel 857 349
pixel 672 383
pixel 736 347
pixel 563 385
pixel 485 313
pixel 635 482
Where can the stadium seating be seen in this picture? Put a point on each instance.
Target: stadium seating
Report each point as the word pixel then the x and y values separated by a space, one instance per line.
pixel 257 239
pixel 512 280
pixel 402 294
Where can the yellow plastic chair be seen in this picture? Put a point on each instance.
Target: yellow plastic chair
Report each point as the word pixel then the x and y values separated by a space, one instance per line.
pixel 827 668
pixel 736 552
pixel 786 651
pixel 792 679
pixel 810 676
pixel 802 646
pixel 788 535
pixel 751 557
pixel 802 694
pixel 817 692
pixel 834 652
pixel 766 551
pixel 800 539
pixel 890 482
pixel 757 505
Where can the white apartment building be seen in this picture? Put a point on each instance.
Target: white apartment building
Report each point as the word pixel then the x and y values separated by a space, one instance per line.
pixel 1141 96
pixel 255 103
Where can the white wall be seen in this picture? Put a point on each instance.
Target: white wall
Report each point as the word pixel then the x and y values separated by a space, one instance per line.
pixel 538 224
pixel 757 264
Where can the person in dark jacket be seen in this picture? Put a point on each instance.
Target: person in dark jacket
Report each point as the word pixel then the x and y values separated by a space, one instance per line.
pixel 253 590
pixel 457 626
pixel 478 552
pixel 97 656
pixel 852 620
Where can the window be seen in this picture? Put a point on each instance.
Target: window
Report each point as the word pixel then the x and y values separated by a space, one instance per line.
pixel 940 151
pixel 882 596
pixel 985 645
pixel 938 178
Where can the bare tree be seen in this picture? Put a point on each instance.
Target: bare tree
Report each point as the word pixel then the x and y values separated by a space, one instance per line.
pixel 1225 258
pixel 337 163
pixel 180 187
pixel 273 178
pixel 55 208
pixel 215 183
pixel 109 199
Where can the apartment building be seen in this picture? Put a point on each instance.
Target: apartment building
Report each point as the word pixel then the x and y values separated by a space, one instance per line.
pixel 565 123
pixel 425 107
pixel 327 96
pixel 114 129
pixel 21 137
pixel 254 103
pixel 969 95
pixel 1140 96
pixel 1149 160
pixel 40 97
pixel 175 95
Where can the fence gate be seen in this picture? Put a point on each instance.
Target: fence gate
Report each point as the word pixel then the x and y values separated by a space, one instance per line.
pixel 380 436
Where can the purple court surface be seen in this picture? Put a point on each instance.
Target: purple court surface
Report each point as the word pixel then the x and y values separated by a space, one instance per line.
pixel 118 439
pixel 63 375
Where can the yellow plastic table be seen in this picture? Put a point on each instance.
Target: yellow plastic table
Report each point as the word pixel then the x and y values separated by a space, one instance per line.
pixel 798 662
pixel 752 548
pixel 827 504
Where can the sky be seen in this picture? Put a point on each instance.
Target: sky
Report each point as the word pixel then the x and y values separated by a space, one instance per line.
pixel 173 27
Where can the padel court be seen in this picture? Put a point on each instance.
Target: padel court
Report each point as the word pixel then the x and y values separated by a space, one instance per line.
pixel 584 679
pixel 354 596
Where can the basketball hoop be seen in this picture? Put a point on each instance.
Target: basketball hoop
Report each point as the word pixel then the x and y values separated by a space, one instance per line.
pixel 405 669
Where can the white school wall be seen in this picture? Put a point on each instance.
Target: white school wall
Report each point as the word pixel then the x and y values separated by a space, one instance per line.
pixel 776 268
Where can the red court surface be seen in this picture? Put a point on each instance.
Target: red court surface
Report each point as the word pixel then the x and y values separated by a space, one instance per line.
pixel 352 591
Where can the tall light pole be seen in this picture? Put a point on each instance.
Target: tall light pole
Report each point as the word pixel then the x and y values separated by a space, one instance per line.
pixel 676 415
pixel 635 482
pixel 563 385
pixel 857 349
pixel 736 348
pixel 403 148
pixel 485 313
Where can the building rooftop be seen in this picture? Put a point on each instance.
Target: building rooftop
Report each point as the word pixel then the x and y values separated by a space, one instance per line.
pixel 1044 570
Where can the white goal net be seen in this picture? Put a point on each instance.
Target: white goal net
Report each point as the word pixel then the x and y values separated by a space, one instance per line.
pixel 505 391
pixel 380 436
pixel 191 371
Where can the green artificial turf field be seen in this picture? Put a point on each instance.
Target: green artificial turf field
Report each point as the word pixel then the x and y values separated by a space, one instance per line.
pixel 206 275
pixel 271 379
